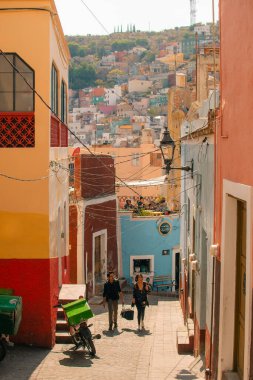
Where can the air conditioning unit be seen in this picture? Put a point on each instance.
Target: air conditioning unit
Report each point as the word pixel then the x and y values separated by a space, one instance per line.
pixel 195 265
pixel 192 257
pixel 214 250
pixel 183 261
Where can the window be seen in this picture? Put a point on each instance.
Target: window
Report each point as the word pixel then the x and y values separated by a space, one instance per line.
pixel 63 102
pixel 15 93
pixel 54 90
pixel 71 173
pixel 142 265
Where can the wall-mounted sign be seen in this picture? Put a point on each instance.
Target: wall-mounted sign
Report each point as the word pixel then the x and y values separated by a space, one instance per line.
pixel 164 228
pixel 165 252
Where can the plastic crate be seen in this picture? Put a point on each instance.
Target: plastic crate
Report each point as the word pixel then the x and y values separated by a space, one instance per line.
pixel 77 311
pixel 10 314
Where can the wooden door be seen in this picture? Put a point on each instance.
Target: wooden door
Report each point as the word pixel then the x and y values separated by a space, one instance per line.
pixel 177 270
pixel 240 289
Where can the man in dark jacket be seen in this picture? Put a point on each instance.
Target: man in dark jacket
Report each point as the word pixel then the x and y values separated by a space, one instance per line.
pixel 112 293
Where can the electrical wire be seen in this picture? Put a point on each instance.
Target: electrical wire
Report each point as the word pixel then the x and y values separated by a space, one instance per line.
pixel 25 179
pixel 72 133
pixel 95 17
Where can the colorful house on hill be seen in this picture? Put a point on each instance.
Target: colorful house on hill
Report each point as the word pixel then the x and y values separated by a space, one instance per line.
pixel 97 95
pixel 33 142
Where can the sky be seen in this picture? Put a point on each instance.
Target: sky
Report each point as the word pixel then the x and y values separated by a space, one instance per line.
pixel 154 15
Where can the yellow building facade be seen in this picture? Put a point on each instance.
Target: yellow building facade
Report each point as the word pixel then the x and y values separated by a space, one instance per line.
pixel 33 147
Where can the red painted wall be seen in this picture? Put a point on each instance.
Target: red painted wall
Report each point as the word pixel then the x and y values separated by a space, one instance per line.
pixel 99 217
pixel 73 244
pixel 36 281
pixel 97 174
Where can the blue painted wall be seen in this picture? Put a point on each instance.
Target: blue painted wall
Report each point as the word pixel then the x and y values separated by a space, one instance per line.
pixel 140 236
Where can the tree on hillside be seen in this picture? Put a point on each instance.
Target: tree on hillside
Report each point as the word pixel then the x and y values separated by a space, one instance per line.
pixel 121 45
pixel 147 56
pixel 142 42
pixel 74 49
pixel 113 75
pixel 82 76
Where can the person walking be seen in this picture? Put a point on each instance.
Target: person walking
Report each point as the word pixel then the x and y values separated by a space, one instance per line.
pixel 140 299
pixel 112 293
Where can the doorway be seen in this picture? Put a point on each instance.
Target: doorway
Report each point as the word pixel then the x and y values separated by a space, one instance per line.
pixel 240 289
pixel 236 279
pixel 177 270
pixel 98 264
pixel 99 259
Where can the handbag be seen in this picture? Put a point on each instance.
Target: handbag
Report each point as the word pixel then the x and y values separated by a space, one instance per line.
pixel 127 314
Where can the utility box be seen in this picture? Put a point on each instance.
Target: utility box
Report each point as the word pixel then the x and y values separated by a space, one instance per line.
pixel 77 311
pixel 10 314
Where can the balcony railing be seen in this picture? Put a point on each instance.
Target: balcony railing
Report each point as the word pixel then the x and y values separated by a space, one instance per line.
pixel 58 133
pixel 17 130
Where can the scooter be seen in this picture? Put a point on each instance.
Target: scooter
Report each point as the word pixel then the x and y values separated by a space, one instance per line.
pixel 81 335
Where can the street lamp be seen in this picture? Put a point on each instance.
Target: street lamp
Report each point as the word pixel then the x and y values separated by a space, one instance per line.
pixel 167 146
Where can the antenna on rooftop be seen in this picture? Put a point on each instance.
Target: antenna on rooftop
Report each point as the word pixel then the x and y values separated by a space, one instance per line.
pixel 193 11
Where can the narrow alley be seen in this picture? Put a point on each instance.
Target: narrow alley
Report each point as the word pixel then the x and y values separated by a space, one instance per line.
pixel 125 354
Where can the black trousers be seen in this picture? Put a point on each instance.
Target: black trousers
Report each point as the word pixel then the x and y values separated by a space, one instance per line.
pixel 141 313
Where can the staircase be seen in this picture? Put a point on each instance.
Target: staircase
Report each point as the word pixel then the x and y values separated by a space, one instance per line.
pixel 62 329
pixel 68 293
pixel 185 337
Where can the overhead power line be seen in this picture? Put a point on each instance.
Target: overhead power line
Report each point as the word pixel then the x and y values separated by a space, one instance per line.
pixel 95 17
pixel 70 131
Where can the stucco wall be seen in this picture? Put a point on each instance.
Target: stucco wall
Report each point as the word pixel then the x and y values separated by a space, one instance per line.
pixel 199 190
pixel 140 236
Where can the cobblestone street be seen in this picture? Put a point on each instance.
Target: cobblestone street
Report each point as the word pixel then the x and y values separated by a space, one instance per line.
pixel 124 354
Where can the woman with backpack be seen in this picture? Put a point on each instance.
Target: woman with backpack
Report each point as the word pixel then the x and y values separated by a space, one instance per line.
pixel 140 299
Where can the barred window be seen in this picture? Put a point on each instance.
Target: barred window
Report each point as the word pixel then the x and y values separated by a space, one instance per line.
pixel 15 93
pixel 63 102
pixel 54 90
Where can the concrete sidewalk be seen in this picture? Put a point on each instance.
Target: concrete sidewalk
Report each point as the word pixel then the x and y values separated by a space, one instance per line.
pixel 125 353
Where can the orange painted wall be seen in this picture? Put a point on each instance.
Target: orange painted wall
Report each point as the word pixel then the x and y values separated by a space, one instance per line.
pixel 127 171
pixel 235 133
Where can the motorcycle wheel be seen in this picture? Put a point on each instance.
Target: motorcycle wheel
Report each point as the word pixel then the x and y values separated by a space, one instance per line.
pixel 91 347
pixel 76 340
pixel 2 350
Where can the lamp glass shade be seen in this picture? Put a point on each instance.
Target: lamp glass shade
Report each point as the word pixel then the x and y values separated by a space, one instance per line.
pixel 167 147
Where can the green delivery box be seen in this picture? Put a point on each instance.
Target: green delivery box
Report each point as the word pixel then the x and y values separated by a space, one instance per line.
pixel 77 311
pixel 10 314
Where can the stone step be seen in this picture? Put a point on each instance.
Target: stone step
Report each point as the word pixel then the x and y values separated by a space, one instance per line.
pixel 185 339
pixel 61 325
pixel 62 337
pixel 60 313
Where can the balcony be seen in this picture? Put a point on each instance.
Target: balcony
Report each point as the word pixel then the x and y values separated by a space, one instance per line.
pixel 58 133
pixel 17 130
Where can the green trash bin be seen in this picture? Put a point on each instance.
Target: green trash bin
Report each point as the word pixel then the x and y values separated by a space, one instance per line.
pixel 10 314
pixel 77 311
